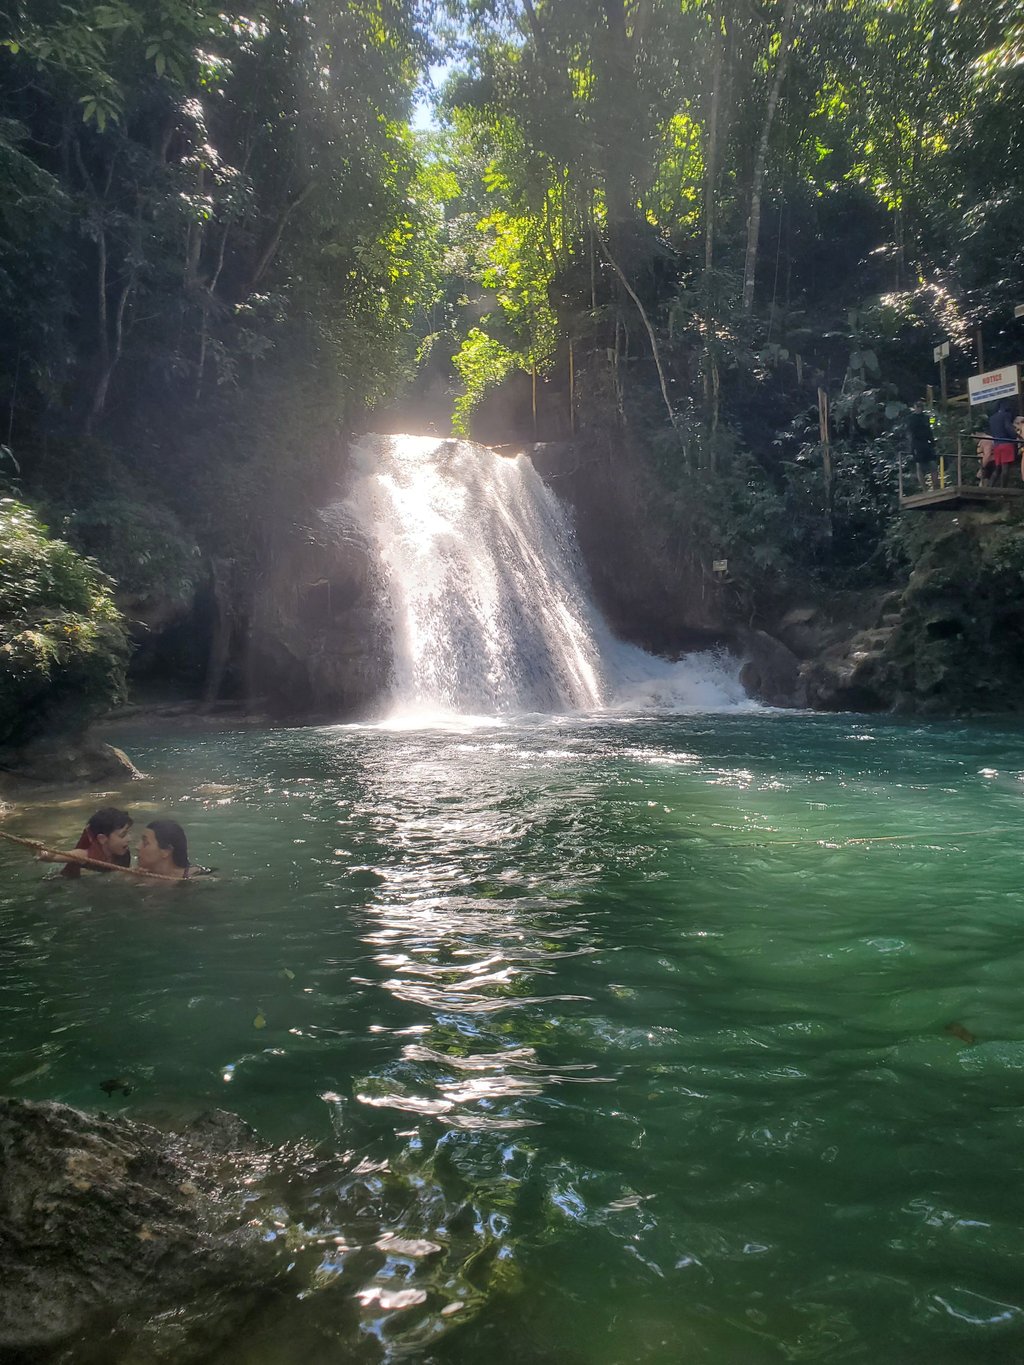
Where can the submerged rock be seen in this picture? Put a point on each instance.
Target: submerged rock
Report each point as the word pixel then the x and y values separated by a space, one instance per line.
pixel 107 1224
pixel 122 1244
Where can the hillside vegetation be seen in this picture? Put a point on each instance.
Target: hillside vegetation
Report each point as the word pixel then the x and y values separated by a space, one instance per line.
pixel 659 227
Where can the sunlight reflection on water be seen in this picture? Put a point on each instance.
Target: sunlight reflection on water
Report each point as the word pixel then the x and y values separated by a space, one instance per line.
pixel 609 1027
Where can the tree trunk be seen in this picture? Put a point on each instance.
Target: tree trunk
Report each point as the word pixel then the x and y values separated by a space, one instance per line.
pixel 270 250
pixel 617 78
pixel 102 333
pixel 924 88
pixel 711 144
pixel 761 160
pixel 620 404
pixel 194 247
pixel 655 351
pixel 711 382
pixel 535 28
pixel 105 365
pixel 572 390
pixel 110 359
pixel 220 639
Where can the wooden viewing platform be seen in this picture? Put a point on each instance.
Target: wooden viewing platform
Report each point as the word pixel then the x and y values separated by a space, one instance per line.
pixel 957 483
pixel 952 494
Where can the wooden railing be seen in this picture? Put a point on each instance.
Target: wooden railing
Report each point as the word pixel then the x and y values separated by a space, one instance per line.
pixel 958 478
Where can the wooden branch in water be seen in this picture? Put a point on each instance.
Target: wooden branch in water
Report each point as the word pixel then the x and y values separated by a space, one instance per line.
pixel 54 855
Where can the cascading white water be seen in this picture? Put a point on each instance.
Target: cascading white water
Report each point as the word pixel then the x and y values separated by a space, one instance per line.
pixel 490 609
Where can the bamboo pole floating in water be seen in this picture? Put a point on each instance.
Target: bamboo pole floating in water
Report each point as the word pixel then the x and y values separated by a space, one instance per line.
pixel 60 857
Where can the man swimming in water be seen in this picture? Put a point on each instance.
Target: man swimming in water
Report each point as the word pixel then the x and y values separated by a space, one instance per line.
pixel 104 840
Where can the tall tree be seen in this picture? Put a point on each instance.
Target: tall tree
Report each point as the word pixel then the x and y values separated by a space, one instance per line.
pixel 761 159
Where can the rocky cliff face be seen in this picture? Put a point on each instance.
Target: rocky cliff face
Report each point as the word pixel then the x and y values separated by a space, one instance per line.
pixel 959 644
pixel 654 592
pixel 950 641
pixel 318 643
pixel 318 640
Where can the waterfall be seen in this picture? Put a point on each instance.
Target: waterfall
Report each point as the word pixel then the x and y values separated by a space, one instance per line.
pixel 490 608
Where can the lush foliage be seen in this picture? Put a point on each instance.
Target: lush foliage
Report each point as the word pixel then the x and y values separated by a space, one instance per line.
pixel 62 647
pixel 221 244
pixel 210 208
pixel 144 548
pixel 727 207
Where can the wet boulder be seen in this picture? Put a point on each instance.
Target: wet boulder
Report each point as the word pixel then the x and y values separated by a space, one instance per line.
pixel 770 671
pixel 82 760
pixel 109 1228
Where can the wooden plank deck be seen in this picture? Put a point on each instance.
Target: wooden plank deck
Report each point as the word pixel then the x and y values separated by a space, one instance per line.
pixel 954 494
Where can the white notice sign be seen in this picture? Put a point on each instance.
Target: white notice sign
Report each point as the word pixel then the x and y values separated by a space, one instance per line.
pixel 1004 383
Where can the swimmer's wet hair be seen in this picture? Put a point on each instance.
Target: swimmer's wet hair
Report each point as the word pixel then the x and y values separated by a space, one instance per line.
pixel 108 819
pixel 169 834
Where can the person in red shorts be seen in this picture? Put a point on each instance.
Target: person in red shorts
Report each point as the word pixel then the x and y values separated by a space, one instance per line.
pixel 1004 440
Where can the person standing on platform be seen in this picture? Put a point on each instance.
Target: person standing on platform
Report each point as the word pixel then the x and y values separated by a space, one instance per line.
pixel 1004 440
pixel 921 445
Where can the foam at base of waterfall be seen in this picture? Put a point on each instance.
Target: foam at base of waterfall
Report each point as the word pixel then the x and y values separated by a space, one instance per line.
pixel 401 718
pixel 640 682
pixel 491 612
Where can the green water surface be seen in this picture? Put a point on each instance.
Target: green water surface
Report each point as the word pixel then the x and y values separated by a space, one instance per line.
pixel 641 1058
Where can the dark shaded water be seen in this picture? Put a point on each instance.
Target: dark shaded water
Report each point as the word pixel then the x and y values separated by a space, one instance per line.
pixel 640 1059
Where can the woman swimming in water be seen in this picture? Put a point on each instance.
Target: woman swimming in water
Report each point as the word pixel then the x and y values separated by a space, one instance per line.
pixel 163 849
